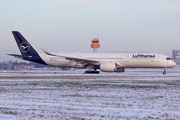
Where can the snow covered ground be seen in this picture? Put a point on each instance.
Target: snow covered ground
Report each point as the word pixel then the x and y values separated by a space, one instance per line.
pixel 134 94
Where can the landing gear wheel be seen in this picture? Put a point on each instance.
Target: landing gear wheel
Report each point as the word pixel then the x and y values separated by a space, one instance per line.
pixel 164 71
pixel 91 72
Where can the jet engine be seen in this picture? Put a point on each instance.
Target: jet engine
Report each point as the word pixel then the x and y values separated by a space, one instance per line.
pixel 110 67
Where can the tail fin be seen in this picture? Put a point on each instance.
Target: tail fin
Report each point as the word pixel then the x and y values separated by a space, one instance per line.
pixel 24 46
pixel 27 51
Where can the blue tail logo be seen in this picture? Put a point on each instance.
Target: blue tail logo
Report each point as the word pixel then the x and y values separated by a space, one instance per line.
pixel 24 47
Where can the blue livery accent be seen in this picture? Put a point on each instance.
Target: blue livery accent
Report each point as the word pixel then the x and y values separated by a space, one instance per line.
pixel 143 56
pixel 26 49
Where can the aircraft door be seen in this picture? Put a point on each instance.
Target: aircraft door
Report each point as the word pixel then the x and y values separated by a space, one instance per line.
pixel 127 58
pixel 158 59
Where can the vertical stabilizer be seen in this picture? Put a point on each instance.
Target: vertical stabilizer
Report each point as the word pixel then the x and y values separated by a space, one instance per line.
pixel 27 51
pixel 24 46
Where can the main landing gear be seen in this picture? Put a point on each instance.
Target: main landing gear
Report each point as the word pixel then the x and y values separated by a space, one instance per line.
pixel 91 72
pixel 164 71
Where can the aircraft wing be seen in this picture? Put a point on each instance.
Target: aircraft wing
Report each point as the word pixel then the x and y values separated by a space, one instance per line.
pixel 84 62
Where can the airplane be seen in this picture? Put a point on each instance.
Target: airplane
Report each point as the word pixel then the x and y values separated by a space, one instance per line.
pixel 106 62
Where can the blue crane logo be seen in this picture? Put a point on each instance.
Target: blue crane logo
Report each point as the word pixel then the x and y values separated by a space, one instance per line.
pixel 24 47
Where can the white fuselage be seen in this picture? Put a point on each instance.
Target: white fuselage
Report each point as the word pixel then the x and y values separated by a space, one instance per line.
pixel 124 60
pixel 106 62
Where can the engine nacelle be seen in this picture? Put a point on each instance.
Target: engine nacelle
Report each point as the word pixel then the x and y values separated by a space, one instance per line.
pixel 110 67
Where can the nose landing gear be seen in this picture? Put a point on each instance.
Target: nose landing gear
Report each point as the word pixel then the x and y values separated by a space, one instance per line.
pixel 164 71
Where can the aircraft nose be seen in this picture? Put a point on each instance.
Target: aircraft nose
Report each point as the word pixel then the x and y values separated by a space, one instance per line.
pixel 174 64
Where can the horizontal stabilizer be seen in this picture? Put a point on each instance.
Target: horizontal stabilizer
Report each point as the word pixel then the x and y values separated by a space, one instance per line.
pixel 19 56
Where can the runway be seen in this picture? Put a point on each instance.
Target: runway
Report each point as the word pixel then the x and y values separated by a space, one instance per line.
pixel 134 94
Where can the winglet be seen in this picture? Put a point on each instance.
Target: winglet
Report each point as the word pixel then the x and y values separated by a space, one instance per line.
pixel 46 52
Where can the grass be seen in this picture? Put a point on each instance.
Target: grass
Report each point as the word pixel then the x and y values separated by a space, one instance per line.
pixel 95 91
pixel 9 112
pixel 93 84
pixel 83 77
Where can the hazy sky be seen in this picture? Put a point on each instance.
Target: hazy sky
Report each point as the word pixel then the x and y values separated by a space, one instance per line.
pixel 70 25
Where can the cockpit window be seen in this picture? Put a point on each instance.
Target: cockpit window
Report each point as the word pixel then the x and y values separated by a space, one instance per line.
pixel 168 58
